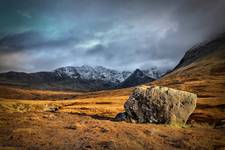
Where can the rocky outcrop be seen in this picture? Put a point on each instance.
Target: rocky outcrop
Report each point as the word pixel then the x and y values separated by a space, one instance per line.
pixel 156 104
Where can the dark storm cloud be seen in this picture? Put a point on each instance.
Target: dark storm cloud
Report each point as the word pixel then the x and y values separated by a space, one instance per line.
pixel 19 41
pixel 30 40
pixel 128 34
pixel 97 50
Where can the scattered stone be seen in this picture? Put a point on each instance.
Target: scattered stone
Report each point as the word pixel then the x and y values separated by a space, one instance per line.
pixel 51 108
pixel 49 116
pixel 71 126
pixel 156 104
pixel 108 145
pixel 103 130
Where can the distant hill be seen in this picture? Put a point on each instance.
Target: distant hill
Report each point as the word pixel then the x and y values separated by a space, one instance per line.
pixel 202 71
pixel 84 78
pixel 136 78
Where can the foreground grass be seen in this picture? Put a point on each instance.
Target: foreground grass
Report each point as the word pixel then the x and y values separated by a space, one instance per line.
pixel 46 130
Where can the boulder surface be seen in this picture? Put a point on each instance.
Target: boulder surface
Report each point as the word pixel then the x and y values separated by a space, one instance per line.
pixel 157 104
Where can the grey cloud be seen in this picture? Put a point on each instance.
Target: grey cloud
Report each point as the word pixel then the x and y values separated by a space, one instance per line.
pixel 31 40
pixel 96 50
pixel 130 33
pixel 19 41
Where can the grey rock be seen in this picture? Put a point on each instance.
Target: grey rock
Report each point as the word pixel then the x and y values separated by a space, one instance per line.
pixel 156 104
pixel 121 117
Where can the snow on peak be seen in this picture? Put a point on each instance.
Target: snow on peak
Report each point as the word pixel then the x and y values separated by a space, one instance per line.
pixel 101 73
pixel 93 73
pixel 152 72
pixel 69 71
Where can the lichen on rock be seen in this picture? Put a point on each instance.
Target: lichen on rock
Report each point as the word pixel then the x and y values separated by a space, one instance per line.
pixel 161 105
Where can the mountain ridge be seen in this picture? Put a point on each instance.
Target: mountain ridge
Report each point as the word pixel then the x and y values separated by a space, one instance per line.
pixel 136 78
pixel 83 78
pixel 201 66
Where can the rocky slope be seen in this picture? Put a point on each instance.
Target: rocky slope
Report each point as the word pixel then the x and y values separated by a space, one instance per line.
pixel 202 67
pixel 204 50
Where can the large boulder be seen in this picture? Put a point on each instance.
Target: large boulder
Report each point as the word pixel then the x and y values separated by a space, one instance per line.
pixel 156 104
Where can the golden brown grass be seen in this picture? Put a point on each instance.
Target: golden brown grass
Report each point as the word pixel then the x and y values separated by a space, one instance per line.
pixel 103 103
pixel 85 122
pixel 44 130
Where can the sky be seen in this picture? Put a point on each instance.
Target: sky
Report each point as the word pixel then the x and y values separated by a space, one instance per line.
pixel 42 35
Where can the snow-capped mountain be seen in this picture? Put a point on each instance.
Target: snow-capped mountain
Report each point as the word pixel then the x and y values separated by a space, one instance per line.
pixel 84 78
pixel 101 73
pixel 67 71
pixel 93 73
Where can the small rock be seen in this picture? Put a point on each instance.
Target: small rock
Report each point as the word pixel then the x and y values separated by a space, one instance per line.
pixel 104 130
pixel 52 108
pixel 71 126
pixel 49 116
pixel 121 116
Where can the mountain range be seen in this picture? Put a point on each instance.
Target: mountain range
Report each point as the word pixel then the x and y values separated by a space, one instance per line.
pixel 84 78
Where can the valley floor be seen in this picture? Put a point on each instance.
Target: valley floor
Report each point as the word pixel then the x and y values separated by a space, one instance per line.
pixel 36 120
